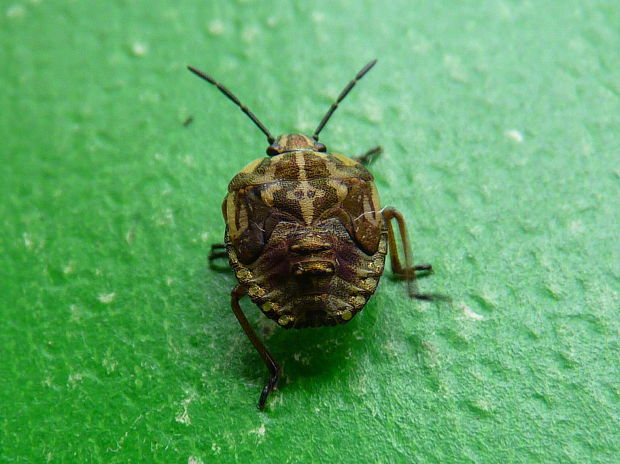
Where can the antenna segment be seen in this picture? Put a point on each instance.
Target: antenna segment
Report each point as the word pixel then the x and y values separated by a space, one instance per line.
pixel 235 100
pixel 343 94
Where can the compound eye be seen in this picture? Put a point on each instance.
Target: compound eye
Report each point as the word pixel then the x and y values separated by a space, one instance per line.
pixel 320 147
pixel 273 150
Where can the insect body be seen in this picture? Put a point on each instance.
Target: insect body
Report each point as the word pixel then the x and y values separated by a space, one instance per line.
pixel 319 214
pixel 306 235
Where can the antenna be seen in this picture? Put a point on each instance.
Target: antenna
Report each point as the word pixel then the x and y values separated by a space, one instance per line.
pixel 235 100
pixel 343 94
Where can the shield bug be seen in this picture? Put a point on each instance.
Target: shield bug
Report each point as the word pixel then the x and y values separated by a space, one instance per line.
pixel 305 233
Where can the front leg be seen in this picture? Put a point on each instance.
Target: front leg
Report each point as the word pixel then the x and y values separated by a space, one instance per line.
pixel 215 253
pixel 218 251
pixel 274 369
pixel 408 271
pixel 369 156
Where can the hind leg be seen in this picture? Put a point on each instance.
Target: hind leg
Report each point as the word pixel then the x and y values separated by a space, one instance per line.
pixel 274 368
pixel 408 270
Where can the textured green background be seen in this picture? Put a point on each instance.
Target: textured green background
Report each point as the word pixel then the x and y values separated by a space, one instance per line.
pixel 500 122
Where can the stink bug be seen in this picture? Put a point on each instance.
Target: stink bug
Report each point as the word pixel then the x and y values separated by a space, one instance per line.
pixel 306 235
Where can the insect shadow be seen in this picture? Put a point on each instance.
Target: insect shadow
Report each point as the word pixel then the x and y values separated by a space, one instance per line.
pixel 316 355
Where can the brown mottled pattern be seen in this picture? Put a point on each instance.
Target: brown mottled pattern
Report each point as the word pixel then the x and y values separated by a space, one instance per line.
pixel 305 200
pixel 287 167
pixel 316 166
pixel 311 301
pixel 305 235
pixel 327 199
pixel 286 196
pixel 305 186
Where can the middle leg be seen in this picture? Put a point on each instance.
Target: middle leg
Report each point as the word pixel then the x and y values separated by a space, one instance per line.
pixel 408 271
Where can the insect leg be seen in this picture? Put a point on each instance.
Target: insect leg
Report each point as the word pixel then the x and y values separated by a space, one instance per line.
pixel 408 271
pixel 274 369
pixel 369 156
pixel 217 254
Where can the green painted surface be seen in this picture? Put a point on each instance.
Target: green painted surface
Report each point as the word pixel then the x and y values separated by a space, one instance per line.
pixel 500 123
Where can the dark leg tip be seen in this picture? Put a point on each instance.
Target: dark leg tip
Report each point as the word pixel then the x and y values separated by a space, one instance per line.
pixel 263 399
pixel 368 157
pixel 217 255
pixel 424 267
pixel 431 297
pixel 271 385
pixel 218 251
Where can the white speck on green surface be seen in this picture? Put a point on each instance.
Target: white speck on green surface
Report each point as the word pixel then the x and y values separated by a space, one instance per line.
pixel 515 135
pixel 106 298
pixel 15 11
pixel 183 415
pixel 471 314
pixel 139 48
pixel 216 27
